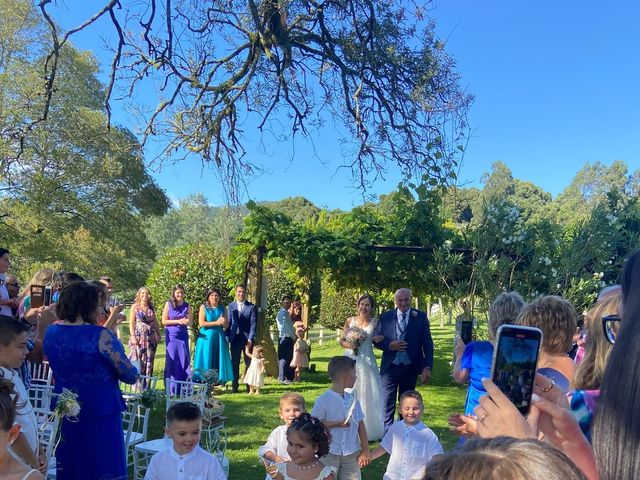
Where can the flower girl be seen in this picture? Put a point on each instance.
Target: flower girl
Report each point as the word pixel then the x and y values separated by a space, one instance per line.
pixel 307 441
pixel 300 354
pixel 255 373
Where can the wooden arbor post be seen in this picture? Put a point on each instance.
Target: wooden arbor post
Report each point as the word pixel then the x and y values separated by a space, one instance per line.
pixel 262 333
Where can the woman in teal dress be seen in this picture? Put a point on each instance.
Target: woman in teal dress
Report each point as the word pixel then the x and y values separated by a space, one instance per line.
pixel 212 347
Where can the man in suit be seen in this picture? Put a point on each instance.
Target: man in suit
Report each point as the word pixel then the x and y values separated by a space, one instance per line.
pixel 241 332
pixel 407 351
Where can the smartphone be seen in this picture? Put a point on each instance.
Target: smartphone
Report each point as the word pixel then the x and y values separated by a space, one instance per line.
pixel 47 295
pixel 466 331
pixel 36 296
pixel 515 359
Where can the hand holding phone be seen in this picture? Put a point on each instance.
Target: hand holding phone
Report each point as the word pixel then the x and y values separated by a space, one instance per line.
pixel 515 359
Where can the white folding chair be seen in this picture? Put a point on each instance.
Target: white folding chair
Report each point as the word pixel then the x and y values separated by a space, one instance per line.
pixel 40 396
pixel 141 414
pixel 185 391
pixel 41 373
pixel 48 426
pixel 129 416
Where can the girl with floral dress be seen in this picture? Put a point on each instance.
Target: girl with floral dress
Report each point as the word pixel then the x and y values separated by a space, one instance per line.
pixel 145 333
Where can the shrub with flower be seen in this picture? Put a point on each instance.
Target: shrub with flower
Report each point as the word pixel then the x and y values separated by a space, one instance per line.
pixel 354 336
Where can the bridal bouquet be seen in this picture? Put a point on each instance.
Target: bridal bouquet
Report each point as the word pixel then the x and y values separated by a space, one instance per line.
pixel 354 336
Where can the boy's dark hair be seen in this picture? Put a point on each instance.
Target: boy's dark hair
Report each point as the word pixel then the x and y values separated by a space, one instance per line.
pixel 412 394
pixel 314 430
pixel 10 328
pixel 7 404
pixel 340 364
pixel 183 412
pixel 78 299
pixel 3 252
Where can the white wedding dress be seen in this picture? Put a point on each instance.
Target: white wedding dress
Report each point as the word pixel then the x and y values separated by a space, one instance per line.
pixel 368 387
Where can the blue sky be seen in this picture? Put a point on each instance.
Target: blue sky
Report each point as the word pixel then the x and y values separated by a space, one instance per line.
pixel 555 85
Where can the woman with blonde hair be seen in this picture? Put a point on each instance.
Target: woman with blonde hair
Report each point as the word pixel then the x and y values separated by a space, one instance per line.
pixel 145 333
pixel 597 349
pixel 503 457
pixel 44 276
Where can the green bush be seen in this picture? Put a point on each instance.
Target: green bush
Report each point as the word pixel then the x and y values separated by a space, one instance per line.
pixel 197 267
pixel 337 304
pixel 279 285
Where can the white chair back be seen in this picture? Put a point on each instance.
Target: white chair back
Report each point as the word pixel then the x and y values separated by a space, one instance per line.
pixel 41 373
pixel 185 391
pixel 40 396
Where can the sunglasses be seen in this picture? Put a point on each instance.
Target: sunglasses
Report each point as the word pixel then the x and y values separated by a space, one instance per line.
pixel 611 324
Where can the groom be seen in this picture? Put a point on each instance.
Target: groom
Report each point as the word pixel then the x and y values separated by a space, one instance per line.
pixel 241 332
pixel 407 351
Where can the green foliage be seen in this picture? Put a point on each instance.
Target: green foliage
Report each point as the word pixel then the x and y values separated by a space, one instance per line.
pixel 299 209
pixel 197 267
pixel 337 304
pixel 279 285
pixel 193 220
pixel 74 192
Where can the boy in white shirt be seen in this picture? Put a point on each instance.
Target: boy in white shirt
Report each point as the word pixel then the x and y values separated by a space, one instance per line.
pixel 342 415
pixel 409 441
pixel 185 460
pixel 13 350
pixel 275 450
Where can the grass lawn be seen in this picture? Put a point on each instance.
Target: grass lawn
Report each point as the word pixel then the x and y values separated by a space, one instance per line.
pixel 250 419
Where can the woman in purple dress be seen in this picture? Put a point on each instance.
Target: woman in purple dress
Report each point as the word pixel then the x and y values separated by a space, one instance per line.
pixel 176 317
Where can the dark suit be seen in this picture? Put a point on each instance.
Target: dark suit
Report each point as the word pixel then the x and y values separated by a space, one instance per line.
pixel 397 379
pixel 242 329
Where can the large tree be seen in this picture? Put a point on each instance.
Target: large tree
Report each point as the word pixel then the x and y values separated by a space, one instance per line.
pixel 226 68
pixel 77 193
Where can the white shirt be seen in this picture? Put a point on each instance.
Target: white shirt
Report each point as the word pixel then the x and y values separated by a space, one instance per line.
pixel 334 407
pixel 25 416
pixel 276 443
pixel 4 295
pixel 195 465
pixel 411 448
pixel 285 326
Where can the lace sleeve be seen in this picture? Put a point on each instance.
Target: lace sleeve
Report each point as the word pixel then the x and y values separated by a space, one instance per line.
pixel 111 348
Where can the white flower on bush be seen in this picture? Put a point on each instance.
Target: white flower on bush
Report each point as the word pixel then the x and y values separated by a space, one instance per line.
pixel 544 260
pixel 554 272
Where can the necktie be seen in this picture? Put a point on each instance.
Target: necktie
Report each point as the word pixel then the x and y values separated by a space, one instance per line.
pixel 403 323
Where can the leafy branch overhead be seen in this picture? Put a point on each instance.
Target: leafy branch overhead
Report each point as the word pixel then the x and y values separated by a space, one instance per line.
pixel 227 68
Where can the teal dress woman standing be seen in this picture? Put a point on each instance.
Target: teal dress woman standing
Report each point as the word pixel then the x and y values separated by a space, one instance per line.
pixel 212 347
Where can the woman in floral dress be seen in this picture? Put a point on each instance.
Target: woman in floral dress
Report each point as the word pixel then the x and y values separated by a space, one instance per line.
pixel 145 333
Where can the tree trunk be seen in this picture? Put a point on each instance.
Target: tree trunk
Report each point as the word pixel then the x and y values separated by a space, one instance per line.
pixel 262 334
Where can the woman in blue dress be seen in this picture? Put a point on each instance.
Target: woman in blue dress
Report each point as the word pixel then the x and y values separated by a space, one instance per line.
pixel 88 360
pixel 212 347
pixel 473 361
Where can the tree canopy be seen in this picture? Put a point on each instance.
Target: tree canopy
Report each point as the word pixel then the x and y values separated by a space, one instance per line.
pixel 76 192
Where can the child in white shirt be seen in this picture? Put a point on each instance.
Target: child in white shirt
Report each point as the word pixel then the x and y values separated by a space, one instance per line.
pixel 409 441
pixel 13 342
pixel 342 415
pixel 275 450
pixel 185 460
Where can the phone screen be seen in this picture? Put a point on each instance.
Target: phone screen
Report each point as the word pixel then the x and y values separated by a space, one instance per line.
pixel 47 296
pixel 514 363
pixel 466 331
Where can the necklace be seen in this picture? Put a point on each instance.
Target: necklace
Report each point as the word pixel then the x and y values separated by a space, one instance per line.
pixel 308 466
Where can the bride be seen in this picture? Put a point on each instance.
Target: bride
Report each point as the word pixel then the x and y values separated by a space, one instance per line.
pixel 368 388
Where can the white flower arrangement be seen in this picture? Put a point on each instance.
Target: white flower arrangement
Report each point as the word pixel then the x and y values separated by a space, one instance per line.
pixel 67 405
